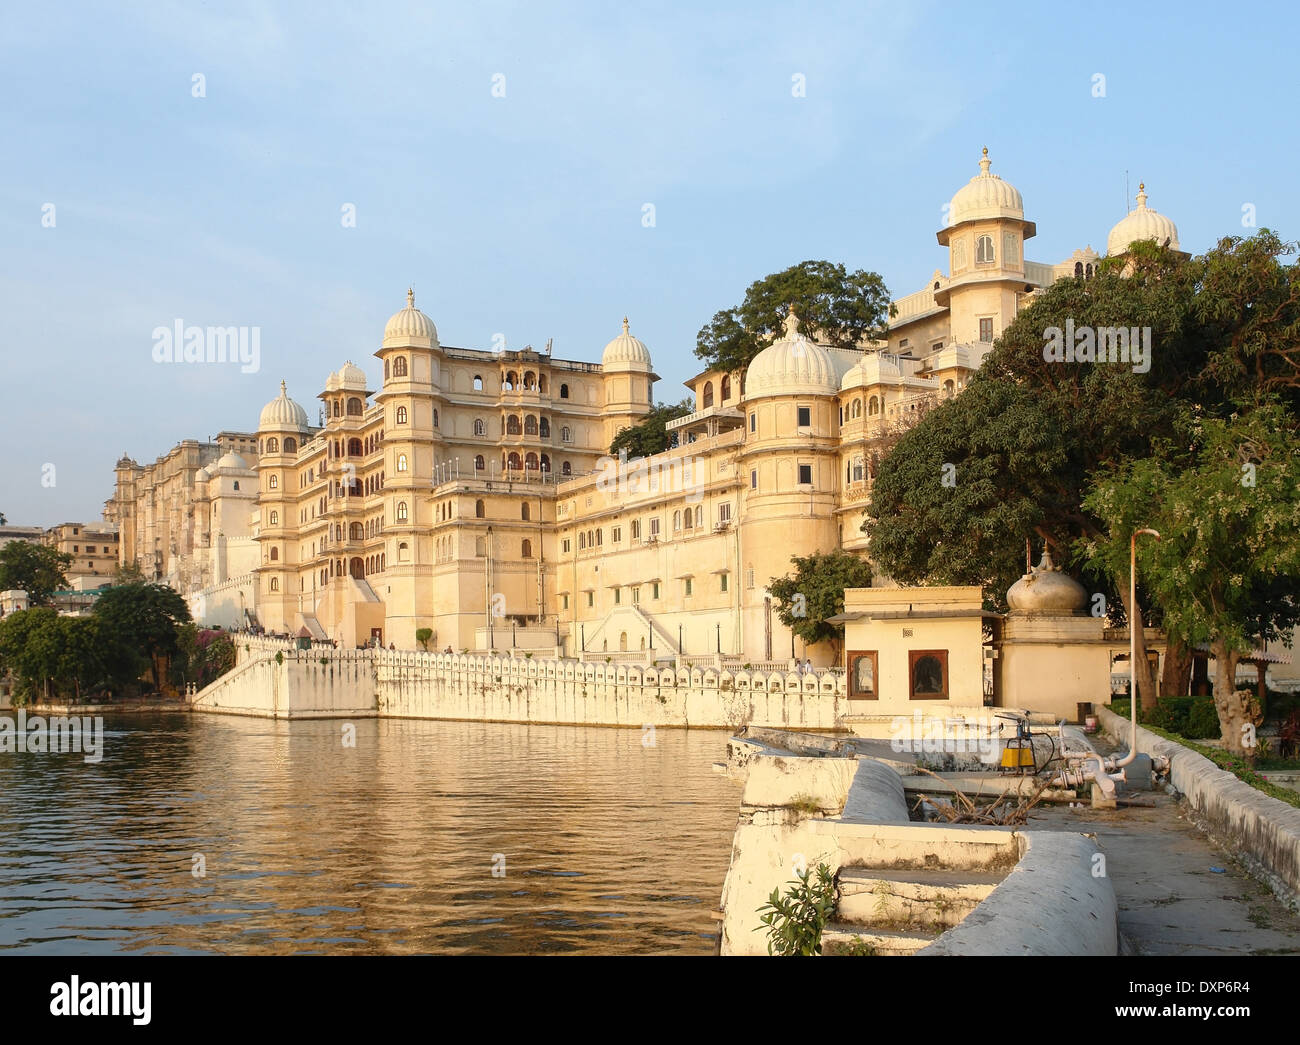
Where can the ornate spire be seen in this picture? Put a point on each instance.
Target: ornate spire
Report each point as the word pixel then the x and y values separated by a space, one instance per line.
pixel 410 297
pixel 625 324
pixel 791 323
pixel 1142 195
pixel 985 163
pixel 284 391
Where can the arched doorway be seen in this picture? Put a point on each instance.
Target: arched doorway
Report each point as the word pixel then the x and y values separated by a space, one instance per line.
pixel 357 568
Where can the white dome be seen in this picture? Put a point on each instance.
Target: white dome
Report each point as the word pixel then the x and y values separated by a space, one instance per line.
pixel 351 376
pixel 985 196
pixel 625 351
pixel 281 412
pixel 410 326
pixel 872 370
pixel 332 382
pixel 792 365
pixel 202 475
pixel 1139 224
pixel 230 459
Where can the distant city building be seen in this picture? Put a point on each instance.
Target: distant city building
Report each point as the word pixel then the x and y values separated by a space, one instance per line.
pixel 472 494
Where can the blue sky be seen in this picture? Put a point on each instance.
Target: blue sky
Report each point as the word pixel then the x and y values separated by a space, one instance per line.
pixel 522 215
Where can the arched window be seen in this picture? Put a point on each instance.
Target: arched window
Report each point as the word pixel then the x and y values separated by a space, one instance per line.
pixel 355 532
pixel 401 511
pixel 338 409
pixel 984 250
pixel 273 482
pixel 530 462
pixel 677 520
pixel 1078 268
pixel 546 462
pixel 512 425
pixel 354 447
pixel 524 512
pixel 564 391
pixel 513 461
pixel 273 445
pixel 530 425
pixel 275 583
pixel 399 366
pixel 726 387
pixel 600 537
pixel 530 382
pixel 401 462
pixel 479 463
pixel 275 554
pixel 478 382
pixel 582 540
pixel 707 399
pixel 527 550
pixel 275 518
pixel 290 444
pixel 566 434
pixel 480 426
pixel 544 428
pixel 699 517
pixel 566 468
pixel 857 408
pixel 508 382
pixel 354 406
pixel 873 406
pixel 401 415
pixel 403 552
pixel 541 383
pixel 435 417
pixel 949 387
pixel 858 470
pixel 385 369
pixel 480 510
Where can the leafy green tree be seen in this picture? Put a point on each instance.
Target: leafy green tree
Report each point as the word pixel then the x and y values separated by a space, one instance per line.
pixel 651 436
pixel 815 592
pixel 19 654
pixel 149 618
pixel 37 569
pixel 422 636
pixel 836 307
pixel 1227 567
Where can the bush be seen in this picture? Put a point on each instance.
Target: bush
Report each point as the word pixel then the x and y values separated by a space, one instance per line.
pixel 1203 720
pixel 794 922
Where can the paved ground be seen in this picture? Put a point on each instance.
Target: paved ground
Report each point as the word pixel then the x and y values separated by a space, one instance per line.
pixel 1170 901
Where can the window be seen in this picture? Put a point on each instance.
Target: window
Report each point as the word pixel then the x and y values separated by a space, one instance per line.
pixel 636 596
pixel 275 554
pixel 984 250
pixel 480 428
pixel 937 346
pixel 726 388
pixel 523 512
pixel 654 590
pixel 591 599
pixel 564 391
pixel 582 540
pixel 566 469
pixel 753 478
pixel 566 545
pixel 401 511
pixel 636 529
pixel 401 462
pixel 478 382
pixel 677 521
pixel 724 512
pixel 859 469
pixel 403 552
pixel 566 434
pixel 707 398
pixel 273 446
pixel 564 602
pixel 354 406
pixel 749 577
pixel 805 417
pixel 699 516
pixel 615 534
pixel 526 550
pixel 399 366
pixel 654 526
pixel 805 475
pixel 236 484
pixel 530 425
pixel 479 463
pixel 480 511
pixel 354 448
pixel 753 422
pixel 600 537
pixel 688 586
pixel 385 369
pixel 862 674
pixel 949 388
pixel 275 583
pixel 618 596
pixel 275 521
pixel 544 428
pixel 986 330
pixel 928 674
pixel 273 482
pixel 512 425
pixel 530 462
pixel 722 581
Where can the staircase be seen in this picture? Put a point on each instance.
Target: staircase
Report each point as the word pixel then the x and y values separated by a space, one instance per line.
pixel 899 911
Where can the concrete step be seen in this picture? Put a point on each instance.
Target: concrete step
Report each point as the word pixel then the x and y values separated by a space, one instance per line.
pixel 937 899
pixel 838 938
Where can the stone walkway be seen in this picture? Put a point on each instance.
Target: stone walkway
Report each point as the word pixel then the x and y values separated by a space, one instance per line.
pixel 1170 901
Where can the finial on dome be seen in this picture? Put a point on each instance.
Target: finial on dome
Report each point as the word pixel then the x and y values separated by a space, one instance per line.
pixel 410 297
pixel 625 324
pixel 791 323
pixel 1142 195
pixel 985 163
pixel 284 391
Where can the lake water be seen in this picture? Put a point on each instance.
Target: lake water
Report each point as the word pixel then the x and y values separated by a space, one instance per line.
pixel 608 846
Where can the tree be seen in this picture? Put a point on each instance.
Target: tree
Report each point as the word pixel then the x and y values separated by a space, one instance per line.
pixel 422 636
pixel 1227 567
pixel 37 569
pixel 149 618
pixel 840 308
pixel 815 592
pixel 130 573
pixel 651 436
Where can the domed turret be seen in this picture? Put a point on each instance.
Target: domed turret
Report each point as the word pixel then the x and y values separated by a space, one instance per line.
pixel 282 412
pixel 351 377
pixel 410 327
pixel 229 460
pixel 1046 592
pixel 985 196
pixel 625 352
pixel 792 365
pixel 1141 223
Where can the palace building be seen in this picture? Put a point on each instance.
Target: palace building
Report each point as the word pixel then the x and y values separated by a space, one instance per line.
pixel 470 492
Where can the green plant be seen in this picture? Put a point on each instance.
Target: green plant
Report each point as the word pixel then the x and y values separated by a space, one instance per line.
pixel 324 661
pixel 858 948
pixel 279 656
pixel 794 922
pixel 422 636
pixel 804 804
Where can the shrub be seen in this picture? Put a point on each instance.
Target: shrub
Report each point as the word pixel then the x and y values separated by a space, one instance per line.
pixel 794 922
pixel 1203 720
